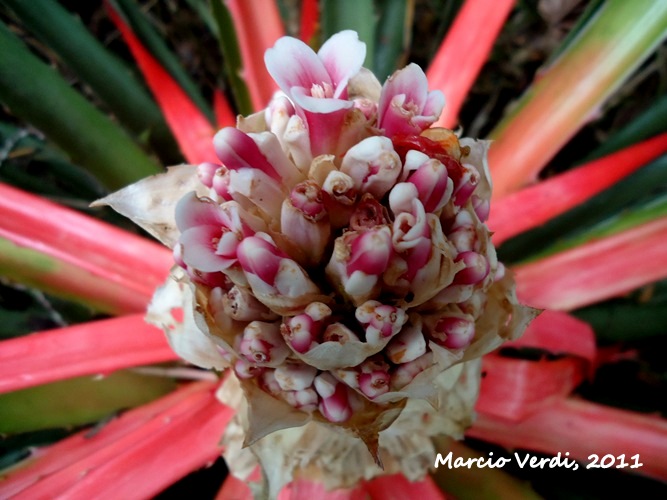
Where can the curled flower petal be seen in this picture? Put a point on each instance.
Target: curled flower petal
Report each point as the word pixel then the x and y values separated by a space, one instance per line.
pixel 276 280
pixel 373 165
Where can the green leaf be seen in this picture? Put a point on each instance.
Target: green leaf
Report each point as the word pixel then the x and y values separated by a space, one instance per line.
pixel 650 123
pixel 106 74
pixel 616 321
pixel 393 36
pixel 159 49
pixel 77 401
pixel 30 164
pixel 38 94
pixel 229 46
pixel 614 43
pixel 357 15
pixel 27 311
pixel 203 10
pixel 591 9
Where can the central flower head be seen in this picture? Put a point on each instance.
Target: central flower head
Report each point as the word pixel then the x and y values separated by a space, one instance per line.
pixel 338 261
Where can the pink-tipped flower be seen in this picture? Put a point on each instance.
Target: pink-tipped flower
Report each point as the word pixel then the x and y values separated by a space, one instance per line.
pixel 335 403
pixel 304 331
pixel 205 172
pixel 434 187
pixel 210 234
pixel 463 233
pixel 373 165
pixel 263 345
pixel 411 233
pixel 244 369
pixel 295 376
pixel 305 222
pixel 358 261
pixel 477 268
pixel 276 280
pixel 380 321
pixel 317 83
pixel 305 400
pixel 406 372
pixel 406 106
pixel 454 331
pixel 374 377
pixel 467 185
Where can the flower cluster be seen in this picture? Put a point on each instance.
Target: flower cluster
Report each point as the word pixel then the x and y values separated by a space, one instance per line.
pixel 337 257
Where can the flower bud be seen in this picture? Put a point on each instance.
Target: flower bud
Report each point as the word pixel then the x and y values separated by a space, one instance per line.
pixel 477 268
pixel 380 321
pixel 453 331
pixel 295 377
pixel 406 372
pixel 409 344
pixel 335 403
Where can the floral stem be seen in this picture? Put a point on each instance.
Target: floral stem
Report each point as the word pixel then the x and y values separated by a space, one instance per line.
pixel 569 92
pixel 91 348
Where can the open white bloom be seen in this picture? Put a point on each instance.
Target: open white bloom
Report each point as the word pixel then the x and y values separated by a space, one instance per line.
pixel 337 263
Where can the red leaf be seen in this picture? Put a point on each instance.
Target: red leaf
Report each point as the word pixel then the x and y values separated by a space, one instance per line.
pixel 309 19
pixel 515 388
pixel 258 26
pixel 559 333
pixel 190 126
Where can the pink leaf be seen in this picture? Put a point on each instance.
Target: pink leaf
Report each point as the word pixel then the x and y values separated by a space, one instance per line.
pixel 87 349
pixel 537 204
pixel 464 51
pixel 140 453
pixel 110 259
pixel 581 428
pixel 258 26
pixel 597 270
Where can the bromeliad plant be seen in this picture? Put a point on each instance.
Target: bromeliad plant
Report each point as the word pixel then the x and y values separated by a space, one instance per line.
pixel 337 259
pixel 332 250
